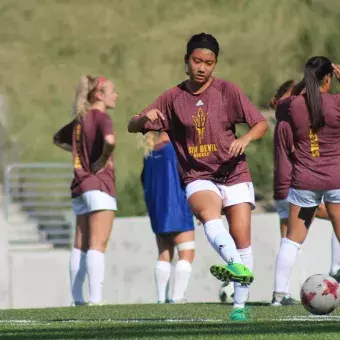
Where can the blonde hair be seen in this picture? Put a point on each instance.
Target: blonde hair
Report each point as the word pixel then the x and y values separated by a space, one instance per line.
pixel 85 95
pixel 149 141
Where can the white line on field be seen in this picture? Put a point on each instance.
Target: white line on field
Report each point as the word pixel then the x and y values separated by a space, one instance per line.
pixel 18 321
pixel 115 321
pixel 143 320
pixel 309 318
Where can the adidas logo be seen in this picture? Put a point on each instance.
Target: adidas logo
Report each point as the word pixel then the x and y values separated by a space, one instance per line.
pixel 199 103
pixel 220 247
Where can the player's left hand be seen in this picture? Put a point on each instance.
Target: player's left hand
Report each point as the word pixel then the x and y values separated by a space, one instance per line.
pixel 336 69
pixel 238 146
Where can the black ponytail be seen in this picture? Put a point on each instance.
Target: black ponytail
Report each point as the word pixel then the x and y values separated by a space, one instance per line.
pixel 315 71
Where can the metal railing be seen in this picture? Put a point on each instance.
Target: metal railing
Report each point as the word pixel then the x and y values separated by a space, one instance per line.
pixel 39 193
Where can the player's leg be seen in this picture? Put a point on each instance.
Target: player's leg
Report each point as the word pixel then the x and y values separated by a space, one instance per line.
pixel 282 208
pixel 100 231
pixel 335 252
pixel 77 265
pixel 321 212
pixel 335 263
pixel 101 216
pixel 163 266
pixel 332 202
pixel 302 210
pixel 185 244
pixel 205 201
pixel 238 202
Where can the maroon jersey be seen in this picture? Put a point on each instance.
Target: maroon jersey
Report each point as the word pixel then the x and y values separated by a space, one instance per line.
pixel 87 145
pixel 316 160
pixel 202 128
pixel 283 149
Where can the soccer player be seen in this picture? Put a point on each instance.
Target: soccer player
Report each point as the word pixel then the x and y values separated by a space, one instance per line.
pixel 282 180
pixel 91 140
pixel 170 216
pixel 199 116
pixel 311 122
pixel 283 170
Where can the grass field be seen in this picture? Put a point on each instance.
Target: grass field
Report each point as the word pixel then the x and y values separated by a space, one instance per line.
pixel 189 321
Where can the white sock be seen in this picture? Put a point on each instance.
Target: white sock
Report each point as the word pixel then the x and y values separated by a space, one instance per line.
pixel 241 292
pixel 335 265
pixel 77 267
pixel 284 264
pixel 182 275
pixel 221 240
pixel 95 272
pixel 162 276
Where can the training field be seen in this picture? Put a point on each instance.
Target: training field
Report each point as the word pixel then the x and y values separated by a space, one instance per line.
pixel 189 321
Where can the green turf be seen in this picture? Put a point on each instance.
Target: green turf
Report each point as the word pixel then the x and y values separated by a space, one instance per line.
pixel 190 321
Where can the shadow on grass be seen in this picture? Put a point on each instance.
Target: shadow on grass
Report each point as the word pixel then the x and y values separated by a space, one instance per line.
pixel 176 330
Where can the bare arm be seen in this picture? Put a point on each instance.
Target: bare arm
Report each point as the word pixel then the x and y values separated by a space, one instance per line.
pixel 238 146
pixel 243 111
pixel 257 131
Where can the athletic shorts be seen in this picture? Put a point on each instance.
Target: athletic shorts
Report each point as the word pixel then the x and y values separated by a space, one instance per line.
pixel 230 195
pixel 282 208
pixel 93 200
pixel 313 198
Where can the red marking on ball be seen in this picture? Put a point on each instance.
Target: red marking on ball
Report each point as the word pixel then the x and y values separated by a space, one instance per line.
pixel 332 288
pixel 307 298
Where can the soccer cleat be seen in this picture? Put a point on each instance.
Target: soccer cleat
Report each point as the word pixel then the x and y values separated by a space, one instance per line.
pixel 79 304
pixel 238 314
pixel 100 303
pixel 180 301
pixel 235 272
pixel 283 299
pixel 336 276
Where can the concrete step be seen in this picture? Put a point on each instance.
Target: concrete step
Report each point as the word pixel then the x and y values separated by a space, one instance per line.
pixel 29 238
pixel 30 246
pixel 20 219
pixel 23 234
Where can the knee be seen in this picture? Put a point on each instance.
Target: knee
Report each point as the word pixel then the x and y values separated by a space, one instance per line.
pixel 186 251
pixel 187 255
pixel 243 244
pixel 81 245
pixel 164 257
pixel 98 245
pixel 205 215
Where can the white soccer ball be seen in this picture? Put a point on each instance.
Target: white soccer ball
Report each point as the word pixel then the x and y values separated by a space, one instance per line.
pixel 226 291
pixel 320 294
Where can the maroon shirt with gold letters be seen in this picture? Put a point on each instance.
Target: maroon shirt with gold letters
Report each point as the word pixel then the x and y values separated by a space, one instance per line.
pixel 202 128
pixel 87 139
pixel 316 159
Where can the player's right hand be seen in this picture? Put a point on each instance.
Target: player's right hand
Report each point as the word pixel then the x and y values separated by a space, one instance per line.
pixel 154 114
pixel 336 69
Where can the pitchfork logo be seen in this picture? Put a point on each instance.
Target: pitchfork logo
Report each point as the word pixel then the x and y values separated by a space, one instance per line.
pixel 200 120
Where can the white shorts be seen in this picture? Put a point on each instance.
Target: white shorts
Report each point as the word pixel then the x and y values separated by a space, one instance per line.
pixel 313 198
pixel 93 200
pixel 282 208
pixel 230 195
